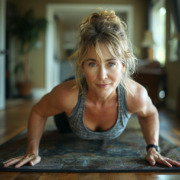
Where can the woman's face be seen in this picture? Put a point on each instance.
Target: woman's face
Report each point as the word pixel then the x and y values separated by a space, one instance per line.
pixel 102 75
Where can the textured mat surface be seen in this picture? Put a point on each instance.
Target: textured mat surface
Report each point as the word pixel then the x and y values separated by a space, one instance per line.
pixel 69 153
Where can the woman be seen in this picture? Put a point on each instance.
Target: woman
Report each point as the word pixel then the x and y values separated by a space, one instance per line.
pixel 99 102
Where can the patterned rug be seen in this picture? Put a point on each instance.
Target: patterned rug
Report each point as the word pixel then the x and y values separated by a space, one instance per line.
pixel 69 153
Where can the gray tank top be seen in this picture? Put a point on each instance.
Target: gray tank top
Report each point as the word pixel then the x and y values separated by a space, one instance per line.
pixel 76 119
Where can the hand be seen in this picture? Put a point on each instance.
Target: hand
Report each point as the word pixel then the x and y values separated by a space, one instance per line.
pixel 21 160
pixel 153 156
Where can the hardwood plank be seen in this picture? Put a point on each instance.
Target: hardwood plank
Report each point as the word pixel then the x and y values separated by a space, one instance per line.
pixel 118 176
pixel 8 175
pixel 13 102
pixel 50 176
pixel 29 176
pixel 11 134
pixel 168 177
pixel 159 176
pixel 67 176
pixel 88 176
pixel 7 178
pixel 146 176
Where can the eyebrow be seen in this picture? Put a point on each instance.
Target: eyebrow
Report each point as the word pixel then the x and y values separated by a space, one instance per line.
pixel 91 59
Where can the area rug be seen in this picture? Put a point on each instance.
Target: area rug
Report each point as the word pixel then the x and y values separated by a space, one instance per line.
pixel 69 153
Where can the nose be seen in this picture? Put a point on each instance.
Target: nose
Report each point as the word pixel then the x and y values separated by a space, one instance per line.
pixel 102 74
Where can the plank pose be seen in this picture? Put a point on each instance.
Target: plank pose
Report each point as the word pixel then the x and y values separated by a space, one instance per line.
pixel 99 101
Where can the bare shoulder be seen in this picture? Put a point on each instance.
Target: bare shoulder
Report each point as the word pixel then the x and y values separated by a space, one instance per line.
pixel 62 98
pixel 66 93
pixel 139 99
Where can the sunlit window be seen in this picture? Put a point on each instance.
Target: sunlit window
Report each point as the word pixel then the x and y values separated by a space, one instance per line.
pixel 159 30
pixel 173 43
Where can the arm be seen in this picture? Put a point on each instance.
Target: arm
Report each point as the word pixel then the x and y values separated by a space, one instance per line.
pixel 37 120
pixel 147 114
pixel 149 121
pixel 36 123
pixel 60 99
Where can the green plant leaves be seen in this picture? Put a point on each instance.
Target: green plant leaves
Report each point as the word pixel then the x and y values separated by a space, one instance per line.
pixel 18 67
pixel 27 29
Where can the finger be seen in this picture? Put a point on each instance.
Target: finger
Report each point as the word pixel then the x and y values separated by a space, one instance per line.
pixel 12 161
pixel 163 161
pixel 35 161
pixel 5 162
pixel 21 163
pixel 175 163
pixel 25 160
pixel 151 160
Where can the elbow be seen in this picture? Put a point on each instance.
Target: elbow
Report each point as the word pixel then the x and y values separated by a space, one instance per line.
pixel 155 112
pixel 150 118
pixel 35 110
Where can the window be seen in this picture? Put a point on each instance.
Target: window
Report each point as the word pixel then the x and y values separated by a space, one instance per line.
pixel 173 43
pixel 159 30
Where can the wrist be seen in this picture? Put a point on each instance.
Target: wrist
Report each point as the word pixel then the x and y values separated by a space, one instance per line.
pixel 152 147
pixel 32 150
pixel 151 150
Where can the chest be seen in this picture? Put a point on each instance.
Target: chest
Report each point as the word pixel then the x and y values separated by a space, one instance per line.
pixel 100 119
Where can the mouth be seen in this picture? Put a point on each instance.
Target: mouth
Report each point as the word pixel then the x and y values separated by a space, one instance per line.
pixel 102 85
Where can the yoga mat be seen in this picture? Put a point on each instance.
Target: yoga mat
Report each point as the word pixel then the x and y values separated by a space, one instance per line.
pixel 69 153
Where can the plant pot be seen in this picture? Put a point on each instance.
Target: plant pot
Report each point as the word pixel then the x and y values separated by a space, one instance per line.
pixel 24 88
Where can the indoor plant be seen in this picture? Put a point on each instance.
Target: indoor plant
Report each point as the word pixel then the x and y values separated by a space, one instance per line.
pixel 26 29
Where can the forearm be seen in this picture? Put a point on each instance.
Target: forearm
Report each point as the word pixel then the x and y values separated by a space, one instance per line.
pixel 150 128
pixel 36 125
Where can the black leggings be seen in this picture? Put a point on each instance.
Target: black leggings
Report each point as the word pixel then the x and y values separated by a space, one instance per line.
pixel 62 123
pixel 61 120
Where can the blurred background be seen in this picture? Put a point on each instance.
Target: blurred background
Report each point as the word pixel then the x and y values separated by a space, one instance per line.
pixel 38 36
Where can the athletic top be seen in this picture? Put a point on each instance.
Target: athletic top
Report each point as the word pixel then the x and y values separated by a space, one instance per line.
pixel 76 119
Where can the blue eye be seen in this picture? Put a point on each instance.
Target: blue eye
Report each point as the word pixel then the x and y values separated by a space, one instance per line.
pixel 112 64
pixel 92 64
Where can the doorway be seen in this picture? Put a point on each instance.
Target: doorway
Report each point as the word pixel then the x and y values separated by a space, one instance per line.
pixel 2 54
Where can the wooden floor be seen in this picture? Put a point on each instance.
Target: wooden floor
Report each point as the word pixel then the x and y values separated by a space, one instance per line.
pixel 13 120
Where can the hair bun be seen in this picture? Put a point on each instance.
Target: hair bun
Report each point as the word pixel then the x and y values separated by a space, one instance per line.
pixel 109 15
pixel 105 17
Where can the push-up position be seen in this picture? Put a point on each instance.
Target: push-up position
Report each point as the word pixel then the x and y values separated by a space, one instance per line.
pixel 99 101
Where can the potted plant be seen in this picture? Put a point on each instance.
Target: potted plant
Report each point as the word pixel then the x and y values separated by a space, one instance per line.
pixel 26 29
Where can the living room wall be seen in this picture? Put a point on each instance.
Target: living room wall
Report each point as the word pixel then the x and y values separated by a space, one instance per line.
pixel 38 55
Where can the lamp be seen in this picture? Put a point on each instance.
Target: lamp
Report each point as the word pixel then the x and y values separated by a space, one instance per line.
pixel 148 43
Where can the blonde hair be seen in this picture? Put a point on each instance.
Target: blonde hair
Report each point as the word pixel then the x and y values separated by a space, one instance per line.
pixel 108 28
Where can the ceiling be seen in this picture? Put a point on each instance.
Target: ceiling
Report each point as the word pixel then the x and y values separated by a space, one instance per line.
pixel 72 17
